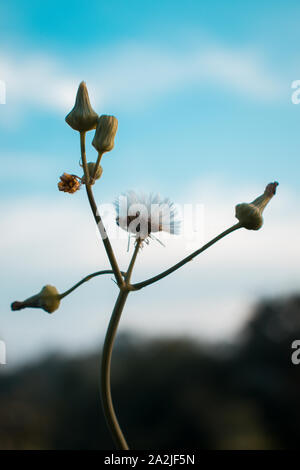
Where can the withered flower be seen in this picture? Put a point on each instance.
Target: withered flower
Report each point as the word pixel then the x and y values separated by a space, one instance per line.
pixel 69 183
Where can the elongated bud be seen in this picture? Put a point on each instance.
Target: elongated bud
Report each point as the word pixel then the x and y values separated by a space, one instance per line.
pixel 82 117
pixel 48 299
pixel 250 215
pixel 105 133
pixel 91 168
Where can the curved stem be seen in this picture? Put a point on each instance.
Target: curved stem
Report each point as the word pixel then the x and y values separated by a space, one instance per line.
pixel 100 225
pixel 181 263
pixel 85 279
pixel 105 386
pixel 108 408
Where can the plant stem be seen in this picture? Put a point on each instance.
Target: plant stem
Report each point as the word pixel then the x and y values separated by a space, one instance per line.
pixel 105 385
pixel 87 278
pixel 181 263
pixel 132 262
pixel 100 225
pixel 96 166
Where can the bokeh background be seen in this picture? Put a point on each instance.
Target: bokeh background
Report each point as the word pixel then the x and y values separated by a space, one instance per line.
pixel 202 92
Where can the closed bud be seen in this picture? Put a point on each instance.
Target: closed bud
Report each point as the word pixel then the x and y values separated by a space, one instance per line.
pixel 82 117
pixel 91 168
pixel 250 215
pixel 48 299
pixel 105 133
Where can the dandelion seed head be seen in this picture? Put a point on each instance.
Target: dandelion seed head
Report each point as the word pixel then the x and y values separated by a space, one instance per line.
pixel 142 215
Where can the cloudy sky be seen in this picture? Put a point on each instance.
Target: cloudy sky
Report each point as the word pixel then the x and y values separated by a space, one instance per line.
pixel 202 92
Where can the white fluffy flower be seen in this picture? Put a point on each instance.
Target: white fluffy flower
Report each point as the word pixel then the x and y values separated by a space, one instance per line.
pixel 142 215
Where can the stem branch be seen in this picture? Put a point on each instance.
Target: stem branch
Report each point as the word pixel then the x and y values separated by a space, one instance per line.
pixel 181 263
pixel 85 279
pixel 100 225
pixel 96 167
pixel 132 262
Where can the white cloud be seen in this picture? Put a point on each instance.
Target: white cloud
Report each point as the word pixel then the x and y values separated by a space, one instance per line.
pixel 242 72
pixel 130 75
pixel 145 72
pixel 38 80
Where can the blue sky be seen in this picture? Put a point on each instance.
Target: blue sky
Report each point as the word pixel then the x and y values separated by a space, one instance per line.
pixel 202 92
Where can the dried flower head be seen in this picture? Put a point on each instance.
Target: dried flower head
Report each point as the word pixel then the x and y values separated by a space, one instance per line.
pixel 250 215
pixel 142 215
pixel 69 183
pixel 48 299
pixel 105 133
pixel 82 117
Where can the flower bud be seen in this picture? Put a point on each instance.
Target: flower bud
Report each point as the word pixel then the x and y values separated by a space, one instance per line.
pixel 250 215
pixel 105 133
pixel 48 299
pixel 91 168
pixel 82 117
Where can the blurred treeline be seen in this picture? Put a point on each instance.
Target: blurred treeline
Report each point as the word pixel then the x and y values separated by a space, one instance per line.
pixel 168 394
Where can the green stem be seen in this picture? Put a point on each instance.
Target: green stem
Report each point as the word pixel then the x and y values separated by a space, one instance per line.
pixel 181 263
pixel 85 279
pixel 96 167
pixel 105 385
pixel 100 225
pixel 132 262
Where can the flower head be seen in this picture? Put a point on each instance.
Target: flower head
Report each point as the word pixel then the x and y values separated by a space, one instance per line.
pixel 69 183
pixel 250 215
pixel 48 299
pixel 142 215
pixel 82 117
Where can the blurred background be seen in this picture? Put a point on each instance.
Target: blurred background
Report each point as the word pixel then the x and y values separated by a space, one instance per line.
pixel 203 95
